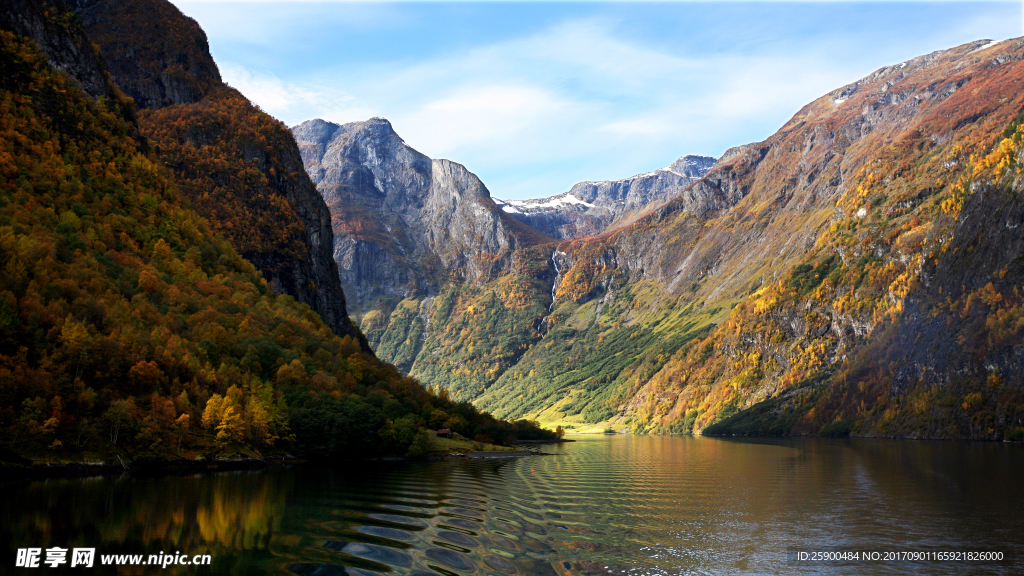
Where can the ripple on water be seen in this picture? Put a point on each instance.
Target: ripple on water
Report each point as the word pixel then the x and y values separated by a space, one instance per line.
pixel 470 525
pixel 536 546
pixel 464 502
pixel 464 512
pixel 382 554
pixel 529 514
pixel 506 527
pixel 396 519
pixel 500 564
pixel 306 569
pixel 413 500
pixel 535 529
pixel 389 533
pixel 502 542
pixel 404 508
pixel 450 558
pixel 309 569
pixel 457 538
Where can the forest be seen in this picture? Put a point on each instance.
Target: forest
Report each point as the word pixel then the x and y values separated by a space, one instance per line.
pixel 132 327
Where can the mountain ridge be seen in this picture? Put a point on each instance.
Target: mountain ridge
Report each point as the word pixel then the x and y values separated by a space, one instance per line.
pixel 590 208
pixel 717 300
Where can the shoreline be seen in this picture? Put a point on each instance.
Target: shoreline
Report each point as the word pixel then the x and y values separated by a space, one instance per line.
pixel 145 468
pixel 13 471
pixel 484 455
pixel 39 471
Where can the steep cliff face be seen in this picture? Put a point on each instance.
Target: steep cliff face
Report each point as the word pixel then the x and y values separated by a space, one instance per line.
pixel 590 208
pixel 239 166
pixel 156 55
pixel 66 47
pixel 404 225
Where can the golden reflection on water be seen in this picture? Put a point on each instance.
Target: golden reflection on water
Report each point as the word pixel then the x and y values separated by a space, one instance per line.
pixel 603 505
pixel 225 513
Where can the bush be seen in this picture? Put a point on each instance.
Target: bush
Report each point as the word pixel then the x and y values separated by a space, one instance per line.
pixel 329 425
pixel 838 429
pixel 420 444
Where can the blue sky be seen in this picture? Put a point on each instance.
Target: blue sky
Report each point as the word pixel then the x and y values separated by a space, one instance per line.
pixel 536 96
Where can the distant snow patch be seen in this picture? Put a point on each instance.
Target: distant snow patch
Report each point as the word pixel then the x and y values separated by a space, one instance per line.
pixel 983 46
pixel 518 206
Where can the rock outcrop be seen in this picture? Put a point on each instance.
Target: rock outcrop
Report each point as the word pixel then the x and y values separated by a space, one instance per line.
pixel 154 53
pixel 404 224
pixel 61 40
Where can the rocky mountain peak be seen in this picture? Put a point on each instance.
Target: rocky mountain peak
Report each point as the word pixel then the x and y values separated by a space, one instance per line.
pixel 692 166
pixel 404 224
pixel 378 127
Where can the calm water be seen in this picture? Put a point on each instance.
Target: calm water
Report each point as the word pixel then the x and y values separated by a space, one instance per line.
pixel 602 505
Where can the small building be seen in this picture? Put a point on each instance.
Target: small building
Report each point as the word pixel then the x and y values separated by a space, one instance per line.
pixel 444 433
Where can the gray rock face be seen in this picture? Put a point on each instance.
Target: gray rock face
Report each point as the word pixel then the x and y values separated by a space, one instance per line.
pixel 404 224
pixel 156 68
pixel 68 51
pixel 590 208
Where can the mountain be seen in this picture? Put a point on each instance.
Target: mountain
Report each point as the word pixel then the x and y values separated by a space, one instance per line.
pixel 404 225
pixel 68 50
pixel 238 166
pixel 811 251
pixel 839 277
pixel 590 208
pixel 171 66
pixel 130 325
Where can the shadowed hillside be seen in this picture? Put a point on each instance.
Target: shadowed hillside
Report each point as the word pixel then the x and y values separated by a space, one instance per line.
pixel 238 166
pixel 130 326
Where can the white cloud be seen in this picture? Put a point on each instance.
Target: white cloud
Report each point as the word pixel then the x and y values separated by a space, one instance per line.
pixel 574 93
pixel 578 100
pixel 638 127
pixel 477 115
pixel 287 100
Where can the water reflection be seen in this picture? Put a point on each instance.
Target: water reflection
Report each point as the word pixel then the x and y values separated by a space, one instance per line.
pixel 234 512
pixel 605 505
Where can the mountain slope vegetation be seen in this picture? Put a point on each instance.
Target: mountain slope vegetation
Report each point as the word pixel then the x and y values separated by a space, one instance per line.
pixel 239 167
pixel 816 282
pixel 130 325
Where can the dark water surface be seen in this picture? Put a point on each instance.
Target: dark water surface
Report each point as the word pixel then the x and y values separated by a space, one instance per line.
pixel 601 505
